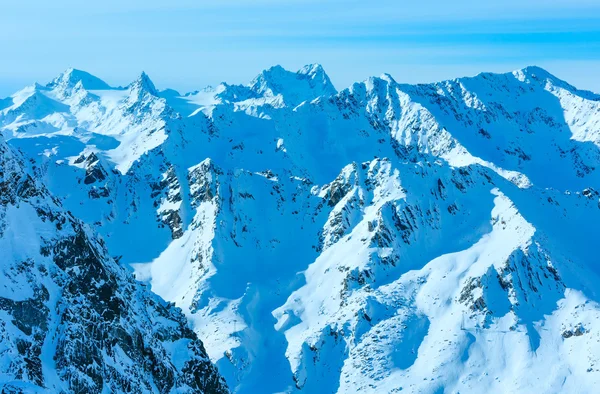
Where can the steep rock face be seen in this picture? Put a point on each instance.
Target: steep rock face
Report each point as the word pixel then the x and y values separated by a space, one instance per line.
pixel 384 238
pixel 72 319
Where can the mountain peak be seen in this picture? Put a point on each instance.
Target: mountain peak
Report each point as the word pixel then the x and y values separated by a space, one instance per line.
pixel 387 77
pixel 269 77
pixel 309 82
pixel 535 72
pixel 71 76
pixel 143 84
pixel 317 73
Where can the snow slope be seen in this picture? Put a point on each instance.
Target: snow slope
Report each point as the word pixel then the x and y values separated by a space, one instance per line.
pixel 387 237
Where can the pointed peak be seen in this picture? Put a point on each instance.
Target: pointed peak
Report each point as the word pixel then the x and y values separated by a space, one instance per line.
pixel 147 82
pixel 143 84
pixel 72 76
pixel 318 78
pixel 387 77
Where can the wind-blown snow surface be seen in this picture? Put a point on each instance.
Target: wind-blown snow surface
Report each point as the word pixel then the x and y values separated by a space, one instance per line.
pixel 384 238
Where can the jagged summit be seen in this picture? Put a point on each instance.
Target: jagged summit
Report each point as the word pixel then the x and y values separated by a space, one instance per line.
pixel 70 77
pixel 387 77
pixel 143 84
pixel 309 82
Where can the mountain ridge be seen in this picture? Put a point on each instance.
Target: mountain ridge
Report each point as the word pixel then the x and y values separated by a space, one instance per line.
pixel 74 75
pixel 380 237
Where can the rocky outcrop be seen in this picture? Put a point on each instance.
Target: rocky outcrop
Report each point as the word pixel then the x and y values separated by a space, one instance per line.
pixel 73 320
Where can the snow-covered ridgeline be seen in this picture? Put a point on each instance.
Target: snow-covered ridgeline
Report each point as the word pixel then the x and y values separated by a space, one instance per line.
pixel 383 237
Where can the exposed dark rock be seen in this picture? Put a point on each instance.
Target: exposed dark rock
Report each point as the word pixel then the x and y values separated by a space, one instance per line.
pixel 103 329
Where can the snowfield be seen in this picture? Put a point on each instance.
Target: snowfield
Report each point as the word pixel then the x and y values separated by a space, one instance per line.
pixel 433 238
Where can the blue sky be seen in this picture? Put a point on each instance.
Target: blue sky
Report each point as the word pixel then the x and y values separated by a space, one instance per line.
pixel 188 44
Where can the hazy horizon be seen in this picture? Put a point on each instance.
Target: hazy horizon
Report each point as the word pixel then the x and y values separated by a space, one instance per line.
pixel 187 46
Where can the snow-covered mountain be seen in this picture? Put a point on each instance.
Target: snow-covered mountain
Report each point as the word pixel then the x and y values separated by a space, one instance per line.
pixel 383 238
pixel 73 320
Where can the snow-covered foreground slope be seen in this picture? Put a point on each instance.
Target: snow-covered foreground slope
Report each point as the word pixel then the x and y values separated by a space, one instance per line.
pixel 73 320
pixel 384 238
